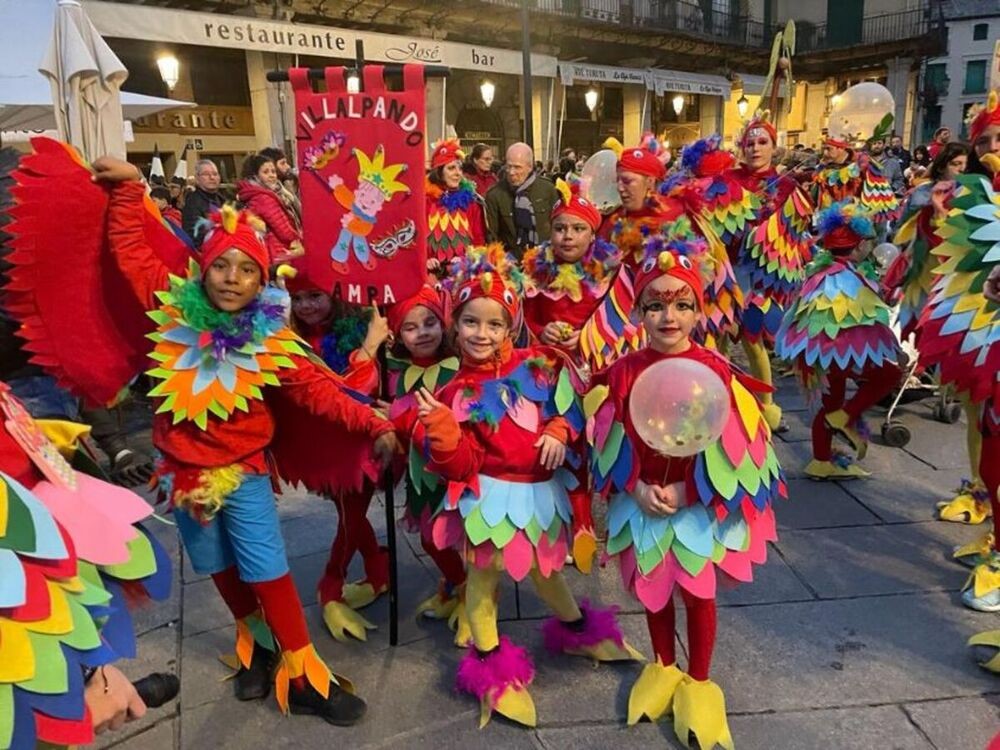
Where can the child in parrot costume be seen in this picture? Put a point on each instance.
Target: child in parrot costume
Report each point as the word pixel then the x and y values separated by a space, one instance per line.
pixel 497 434
pixel 421 358
pixel 682 523
pixel 566 284
pixel 239 393
pixel 838 330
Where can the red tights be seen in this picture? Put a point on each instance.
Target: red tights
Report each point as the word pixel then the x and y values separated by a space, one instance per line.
pixel 354 534
pixel 873 386
pixel 449 561
pixel 278 599
pixel 701 626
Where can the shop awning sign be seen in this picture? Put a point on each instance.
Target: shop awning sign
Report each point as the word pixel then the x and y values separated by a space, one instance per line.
pixel 671 81
pixel 263 35
pixel 364 217
pixel 572 72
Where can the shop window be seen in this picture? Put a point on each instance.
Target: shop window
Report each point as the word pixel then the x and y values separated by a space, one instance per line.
pixel 980 32
pixel 975 77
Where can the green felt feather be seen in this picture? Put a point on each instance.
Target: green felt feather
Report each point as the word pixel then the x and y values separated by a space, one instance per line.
pixel 50 666
pixel 141 560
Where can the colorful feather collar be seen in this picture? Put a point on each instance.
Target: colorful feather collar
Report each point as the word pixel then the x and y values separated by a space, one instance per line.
pixel 557 279
pixel 452 200
pixel 212 362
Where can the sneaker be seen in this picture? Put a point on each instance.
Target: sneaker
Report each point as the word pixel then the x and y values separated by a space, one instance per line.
pixel 340 708
pixel 254 682
pixel 988 602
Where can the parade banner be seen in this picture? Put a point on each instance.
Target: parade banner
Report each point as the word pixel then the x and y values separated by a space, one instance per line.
pixel 361 182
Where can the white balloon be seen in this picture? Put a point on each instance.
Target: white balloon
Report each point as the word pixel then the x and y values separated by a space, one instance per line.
pixel 679 406
pixel 885 254
pixel 859 110
pixel 599 180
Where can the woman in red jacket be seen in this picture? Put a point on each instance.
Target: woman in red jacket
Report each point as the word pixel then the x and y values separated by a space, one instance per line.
pixel 261 192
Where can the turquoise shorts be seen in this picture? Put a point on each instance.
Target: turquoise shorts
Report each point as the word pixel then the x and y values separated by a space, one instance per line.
pixel 245 533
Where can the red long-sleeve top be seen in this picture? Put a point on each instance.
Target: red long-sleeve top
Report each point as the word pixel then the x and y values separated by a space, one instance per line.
pixel 245 436
pixel 655 468
pixel 458 452
pixel 540 310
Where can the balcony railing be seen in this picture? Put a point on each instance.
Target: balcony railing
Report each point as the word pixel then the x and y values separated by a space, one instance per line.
pixel 702 20
pixel 872 30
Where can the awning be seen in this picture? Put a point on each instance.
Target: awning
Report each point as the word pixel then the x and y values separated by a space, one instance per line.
pixel 570 73
pixel 752 85
pixel 689 83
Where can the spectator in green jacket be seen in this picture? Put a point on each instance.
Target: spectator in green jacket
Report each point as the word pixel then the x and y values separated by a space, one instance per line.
pixel 518 206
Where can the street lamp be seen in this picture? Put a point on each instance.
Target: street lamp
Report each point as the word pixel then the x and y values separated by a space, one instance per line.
pixel 591 99
pixel 353 83
pixel 742 104
pixel 678 103
pixel 487 90
pixel 170 70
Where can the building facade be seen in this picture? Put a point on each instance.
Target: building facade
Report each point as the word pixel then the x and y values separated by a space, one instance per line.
pixel 681 68
pixel 961 77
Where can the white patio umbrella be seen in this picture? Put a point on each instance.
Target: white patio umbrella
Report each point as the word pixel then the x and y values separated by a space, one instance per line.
pixel 86 78
pixel 25 93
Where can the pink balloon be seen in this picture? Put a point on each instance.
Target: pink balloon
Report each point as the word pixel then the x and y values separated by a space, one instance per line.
pixel 679 406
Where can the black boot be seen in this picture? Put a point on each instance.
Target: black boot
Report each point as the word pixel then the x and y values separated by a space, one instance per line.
pixel 340 708
pixel 254 682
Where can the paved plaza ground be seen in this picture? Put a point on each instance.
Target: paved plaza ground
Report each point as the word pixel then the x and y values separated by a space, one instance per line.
pixel 851 637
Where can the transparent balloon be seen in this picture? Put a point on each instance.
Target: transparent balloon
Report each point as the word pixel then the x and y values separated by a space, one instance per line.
pixel 857 112
pixel 600 180
pixel 885 254
pixel 679 406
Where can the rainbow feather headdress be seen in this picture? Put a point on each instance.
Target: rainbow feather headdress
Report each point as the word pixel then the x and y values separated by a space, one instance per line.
pixel 489 272
pixel 844 224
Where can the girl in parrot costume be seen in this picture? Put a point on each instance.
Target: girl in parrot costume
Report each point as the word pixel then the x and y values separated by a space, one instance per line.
pixel 239 393
pixel 497 434
pixel 566 282
pixel 73 550
pixel 838 330
pixel 679 524
pixel 421 358
pixel 347 338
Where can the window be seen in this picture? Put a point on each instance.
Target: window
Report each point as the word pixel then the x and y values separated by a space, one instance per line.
pixel 936 78
pixel 931 122
pixel 965 119
pixel 980 32
pixel 975 77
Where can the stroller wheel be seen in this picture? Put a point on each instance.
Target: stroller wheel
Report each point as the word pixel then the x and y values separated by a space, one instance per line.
pixel 895 434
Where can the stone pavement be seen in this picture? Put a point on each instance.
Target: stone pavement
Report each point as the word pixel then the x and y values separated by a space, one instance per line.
pixel 851 637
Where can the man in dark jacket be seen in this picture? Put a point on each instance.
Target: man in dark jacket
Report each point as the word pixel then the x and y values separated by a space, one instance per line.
pixel 518 206
pixel 199 203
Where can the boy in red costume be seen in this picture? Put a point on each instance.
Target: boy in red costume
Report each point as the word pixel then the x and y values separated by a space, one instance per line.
pixel 499 446
pixel 678 523
pixel 222 338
